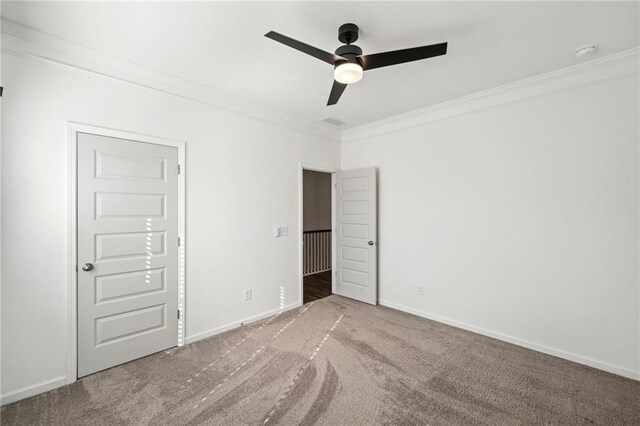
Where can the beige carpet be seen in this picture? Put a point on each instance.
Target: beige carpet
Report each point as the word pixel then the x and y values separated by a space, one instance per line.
pixel 340 362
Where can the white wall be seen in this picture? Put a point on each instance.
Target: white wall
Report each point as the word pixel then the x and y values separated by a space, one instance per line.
pixel 316 200
pixel 521 221
pixel 242 180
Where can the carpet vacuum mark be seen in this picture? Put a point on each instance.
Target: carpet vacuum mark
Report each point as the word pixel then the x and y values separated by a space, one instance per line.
pixel 340 362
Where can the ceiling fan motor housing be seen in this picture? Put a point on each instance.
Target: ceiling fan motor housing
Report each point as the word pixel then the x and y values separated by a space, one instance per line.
pixel 350 52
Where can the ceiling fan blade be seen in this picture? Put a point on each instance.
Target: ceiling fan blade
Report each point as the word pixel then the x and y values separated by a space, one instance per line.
pixel 336 92
pixel 327 57
pixel 378 60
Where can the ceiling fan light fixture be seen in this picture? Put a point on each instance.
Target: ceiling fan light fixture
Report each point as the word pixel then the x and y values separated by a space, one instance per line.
pixel 348 73
pixel 348 61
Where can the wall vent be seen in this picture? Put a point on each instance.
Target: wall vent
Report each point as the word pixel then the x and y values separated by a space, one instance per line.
pixel 333 121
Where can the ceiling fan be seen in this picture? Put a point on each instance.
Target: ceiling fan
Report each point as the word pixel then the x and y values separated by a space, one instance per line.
pixel 349 63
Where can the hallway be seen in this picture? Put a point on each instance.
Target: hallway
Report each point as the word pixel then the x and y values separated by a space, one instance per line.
pixel 317 286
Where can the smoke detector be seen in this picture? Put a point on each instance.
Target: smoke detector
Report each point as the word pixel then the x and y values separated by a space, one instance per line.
pixel 585 50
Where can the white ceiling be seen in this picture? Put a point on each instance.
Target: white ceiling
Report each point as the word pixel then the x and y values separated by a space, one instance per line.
pixel 222 46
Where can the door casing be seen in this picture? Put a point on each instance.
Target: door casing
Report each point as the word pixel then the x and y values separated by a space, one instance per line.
pixel 72 244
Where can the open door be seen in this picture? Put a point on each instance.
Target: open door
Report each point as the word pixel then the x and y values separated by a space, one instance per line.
pixel 356 235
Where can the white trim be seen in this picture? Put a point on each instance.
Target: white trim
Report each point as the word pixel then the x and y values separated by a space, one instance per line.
pixel 32 390
pixel 608 68
pixel 72 326
pixel 72 256
pixel 308 274
pixel 236 324
pixel 301 168
pixel 57 382
pixel 621 371
pixel 22 40
pixel 334 232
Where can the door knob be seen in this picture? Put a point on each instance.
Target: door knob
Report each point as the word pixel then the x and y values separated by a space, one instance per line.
pixel 371 243
pixel 87 267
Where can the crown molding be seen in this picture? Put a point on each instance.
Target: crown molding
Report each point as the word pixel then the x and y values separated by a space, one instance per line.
pixel 21 40
pixel 608 68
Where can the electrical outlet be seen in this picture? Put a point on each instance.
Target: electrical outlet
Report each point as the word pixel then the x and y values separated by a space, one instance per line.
pixel 420 290
pixel 247 294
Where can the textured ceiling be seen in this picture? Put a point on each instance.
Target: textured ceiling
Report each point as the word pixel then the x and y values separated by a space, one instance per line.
pixel 222 45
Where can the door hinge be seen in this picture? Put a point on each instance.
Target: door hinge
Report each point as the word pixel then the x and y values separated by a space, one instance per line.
pixel 179 242
pixel 179 314
pixel 179 169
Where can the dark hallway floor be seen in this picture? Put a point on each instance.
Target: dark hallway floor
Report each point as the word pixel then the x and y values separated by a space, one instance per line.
pixel 317 286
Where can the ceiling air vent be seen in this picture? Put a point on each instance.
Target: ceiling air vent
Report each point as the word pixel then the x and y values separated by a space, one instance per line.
pixel 333 121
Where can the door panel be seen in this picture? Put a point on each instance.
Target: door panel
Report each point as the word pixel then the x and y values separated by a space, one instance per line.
pixel 118 286
pixel 129 324
pixel 356 229
pixel 125 206
pixel 128 231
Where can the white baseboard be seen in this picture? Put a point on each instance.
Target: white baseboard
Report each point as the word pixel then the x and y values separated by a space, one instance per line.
pixel 26 392
pixel 620 371
pixel 48 385
pixel 226 327
pixel 317 272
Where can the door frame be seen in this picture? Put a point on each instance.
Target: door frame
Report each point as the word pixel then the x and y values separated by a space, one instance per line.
pixel 73 129
pixel 301 168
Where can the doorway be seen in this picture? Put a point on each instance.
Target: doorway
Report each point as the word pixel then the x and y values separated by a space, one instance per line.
pixel 338 234
pixel 316 235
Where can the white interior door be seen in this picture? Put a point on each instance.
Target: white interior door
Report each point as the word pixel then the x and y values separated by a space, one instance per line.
pixel 356 235
pixel 127 250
